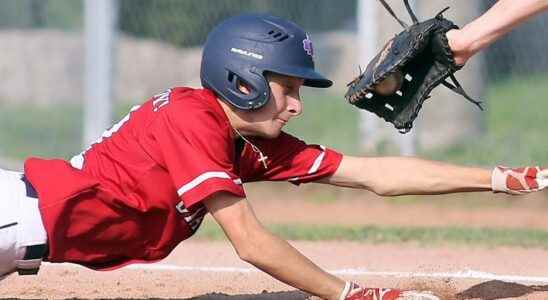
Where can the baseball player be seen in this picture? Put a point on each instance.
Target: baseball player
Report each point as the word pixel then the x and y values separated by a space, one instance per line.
pixel 493 24
pixel 146 184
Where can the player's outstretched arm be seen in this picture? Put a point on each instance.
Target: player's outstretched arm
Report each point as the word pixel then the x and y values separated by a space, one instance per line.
pixel 254 244
pixel 271 254
pixel 390 176
pixel 493 24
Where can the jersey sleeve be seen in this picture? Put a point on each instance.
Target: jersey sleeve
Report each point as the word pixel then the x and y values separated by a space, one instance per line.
pixel 288 159
pixel 198 153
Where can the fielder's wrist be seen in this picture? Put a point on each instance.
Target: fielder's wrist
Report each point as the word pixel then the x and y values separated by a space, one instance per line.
pixel 498 181
pixel 458 46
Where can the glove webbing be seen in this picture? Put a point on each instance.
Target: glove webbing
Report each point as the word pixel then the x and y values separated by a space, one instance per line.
pixel 409 10
pixel 455 87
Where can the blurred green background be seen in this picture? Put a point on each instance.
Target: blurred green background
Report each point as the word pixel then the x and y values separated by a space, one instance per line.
pixel 516 129
pixel 516 82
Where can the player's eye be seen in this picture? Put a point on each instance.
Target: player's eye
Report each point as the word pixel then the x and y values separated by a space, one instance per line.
pixel 292 91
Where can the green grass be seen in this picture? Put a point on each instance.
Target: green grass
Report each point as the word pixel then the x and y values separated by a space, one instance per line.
pixel 517 119
pixel 424 236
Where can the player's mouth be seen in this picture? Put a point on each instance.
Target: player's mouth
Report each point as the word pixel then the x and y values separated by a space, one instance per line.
pixel 282 121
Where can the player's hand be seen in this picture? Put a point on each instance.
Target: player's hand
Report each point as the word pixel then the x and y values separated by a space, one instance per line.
pixel 353 291
pixel 519 181
pixel 459 45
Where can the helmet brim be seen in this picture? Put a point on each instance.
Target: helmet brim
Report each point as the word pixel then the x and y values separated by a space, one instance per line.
pixel 318 82
pixel 310 76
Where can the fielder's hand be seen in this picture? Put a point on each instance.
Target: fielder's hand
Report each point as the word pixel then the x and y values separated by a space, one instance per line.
pixel 352 291
pixel 519 180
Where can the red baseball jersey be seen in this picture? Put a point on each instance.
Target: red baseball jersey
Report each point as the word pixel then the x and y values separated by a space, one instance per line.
pixel 136 193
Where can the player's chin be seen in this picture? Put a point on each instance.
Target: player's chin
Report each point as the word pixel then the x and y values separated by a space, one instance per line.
pixel 271 135
pixel 272 132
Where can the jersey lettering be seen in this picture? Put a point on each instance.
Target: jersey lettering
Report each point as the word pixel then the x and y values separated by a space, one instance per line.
pixel 160 100
pixel 193 219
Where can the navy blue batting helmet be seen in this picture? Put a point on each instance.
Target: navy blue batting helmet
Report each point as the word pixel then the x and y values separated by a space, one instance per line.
pixel 245 47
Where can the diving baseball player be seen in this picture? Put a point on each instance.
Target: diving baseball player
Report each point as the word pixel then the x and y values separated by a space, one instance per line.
pixel 146 184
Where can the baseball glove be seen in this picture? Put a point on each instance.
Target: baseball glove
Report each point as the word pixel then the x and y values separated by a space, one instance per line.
pixel 401 76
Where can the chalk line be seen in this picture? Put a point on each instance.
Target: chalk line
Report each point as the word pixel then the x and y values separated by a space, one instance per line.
pixel 466 274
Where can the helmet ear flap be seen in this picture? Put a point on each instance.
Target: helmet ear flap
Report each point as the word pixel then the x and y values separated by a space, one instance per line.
pixel 254 83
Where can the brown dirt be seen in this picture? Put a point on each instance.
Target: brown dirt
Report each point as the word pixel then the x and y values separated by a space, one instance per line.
pixel 62 281
pixel 283 205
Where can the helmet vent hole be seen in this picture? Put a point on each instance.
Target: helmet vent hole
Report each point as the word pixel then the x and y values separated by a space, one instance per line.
pixel 278 36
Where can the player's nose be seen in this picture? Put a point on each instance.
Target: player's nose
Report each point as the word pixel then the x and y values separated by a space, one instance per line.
pixel 294 106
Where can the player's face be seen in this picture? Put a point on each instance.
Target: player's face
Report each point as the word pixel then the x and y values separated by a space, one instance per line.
pixel 283 105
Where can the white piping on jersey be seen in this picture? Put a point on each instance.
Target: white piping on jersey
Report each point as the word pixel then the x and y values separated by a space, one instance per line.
pixel 201 178
pixel 317 162
pixel 315 166
pixel 77 161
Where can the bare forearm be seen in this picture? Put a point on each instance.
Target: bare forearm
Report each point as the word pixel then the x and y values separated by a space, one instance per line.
pixel 409 176
pixel 279 259
pixel 496 22
pixel 417 176
pixel 501 18
pixel 258 246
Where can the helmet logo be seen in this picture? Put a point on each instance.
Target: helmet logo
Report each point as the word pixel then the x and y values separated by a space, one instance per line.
pixel 307 46
pixel 246 53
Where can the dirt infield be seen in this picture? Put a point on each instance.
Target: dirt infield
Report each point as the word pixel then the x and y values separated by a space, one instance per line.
pixel 203 277
pixel 200 269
